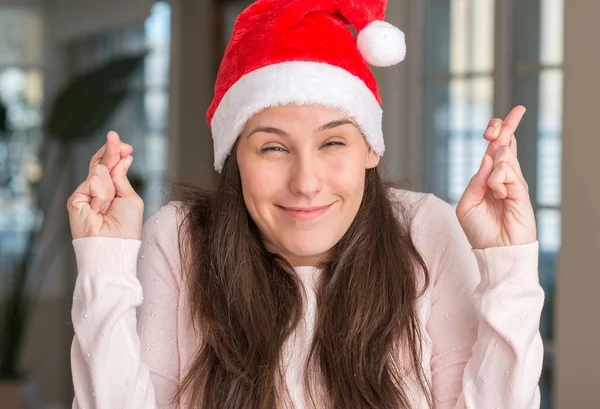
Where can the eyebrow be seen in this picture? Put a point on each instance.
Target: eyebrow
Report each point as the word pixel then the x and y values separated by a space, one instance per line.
pixel 327 126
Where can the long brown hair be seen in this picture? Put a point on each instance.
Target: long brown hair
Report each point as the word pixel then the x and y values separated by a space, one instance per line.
pixel 245 302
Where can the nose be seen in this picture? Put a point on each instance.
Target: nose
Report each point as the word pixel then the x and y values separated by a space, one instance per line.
pixel 305 178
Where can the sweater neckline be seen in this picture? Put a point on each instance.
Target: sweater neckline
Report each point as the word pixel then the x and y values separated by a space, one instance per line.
pixel 307 270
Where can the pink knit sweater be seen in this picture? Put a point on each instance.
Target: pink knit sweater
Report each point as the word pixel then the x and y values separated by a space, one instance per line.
pixel 480 318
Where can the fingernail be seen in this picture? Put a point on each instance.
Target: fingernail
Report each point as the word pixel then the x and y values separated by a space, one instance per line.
pixel 127 163
pixel 104 208
pixel 490 130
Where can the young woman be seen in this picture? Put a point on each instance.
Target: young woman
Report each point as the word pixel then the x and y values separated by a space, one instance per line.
pixel 301 280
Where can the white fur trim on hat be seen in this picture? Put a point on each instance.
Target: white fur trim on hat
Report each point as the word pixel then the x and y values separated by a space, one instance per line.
pixel 381 44
pixel 294 82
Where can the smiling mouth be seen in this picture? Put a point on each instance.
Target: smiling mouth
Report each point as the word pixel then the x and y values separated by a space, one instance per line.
pixel 305 213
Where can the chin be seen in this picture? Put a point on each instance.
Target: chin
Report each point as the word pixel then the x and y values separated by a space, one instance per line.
pixel 308 247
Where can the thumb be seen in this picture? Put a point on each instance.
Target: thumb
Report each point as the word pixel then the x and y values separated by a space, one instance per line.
pixel 477 187
pixel 123 187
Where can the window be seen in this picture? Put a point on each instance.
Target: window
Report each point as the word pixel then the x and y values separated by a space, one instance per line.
pixel 142 119
pixel 481 58
pixel 21 98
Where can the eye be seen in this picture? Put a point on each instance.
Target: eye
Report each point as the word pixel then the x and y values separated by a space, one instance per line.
pixel 273 148
pixel 334 144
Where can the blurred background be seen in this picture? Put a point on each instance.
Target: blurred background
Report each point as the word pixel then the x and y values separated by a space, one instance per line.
pixel 70 70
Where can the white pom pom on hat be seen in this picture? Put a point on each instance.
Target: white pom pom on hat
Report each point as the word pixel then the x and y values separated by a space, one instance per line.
pixel 381 44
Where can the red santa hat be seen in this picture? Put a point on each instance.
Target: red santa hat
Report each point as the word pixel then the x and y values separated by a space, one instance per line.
pixel 303 52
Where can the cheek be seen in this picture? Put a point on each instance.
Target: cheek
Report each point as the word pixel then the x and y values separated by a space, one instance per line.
pixel 259 183
pixel 347 177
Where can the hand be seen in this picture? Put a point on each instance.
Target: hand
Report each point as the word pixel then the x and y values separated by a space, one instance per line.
pixel 105 204
pixel 495 209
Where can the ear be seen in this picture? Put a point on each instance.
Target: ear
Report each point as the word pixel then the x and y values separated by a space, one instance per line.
pixel 372 158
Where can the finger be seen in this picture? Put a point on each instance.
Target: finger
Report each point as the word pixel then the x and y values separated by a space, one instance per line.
pixel 505 182
pixel 112 155
pixel 100 188
pixel 477 187
pixel 126 149
pixel 100 153
pixel 506 154
pixel 493 147
pixel 507 130
pixel 513 145
pixel 493 129
pixel 510 125
pixel 123 187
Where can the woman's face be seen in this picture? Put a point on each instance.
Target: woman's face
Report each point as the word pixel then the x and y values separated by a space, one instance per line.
pixel 303 172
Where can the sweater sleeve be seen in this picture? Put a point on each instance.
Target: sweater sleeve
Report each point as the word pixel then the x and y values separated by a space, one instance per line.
pixel 484 319
pixel 120 358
